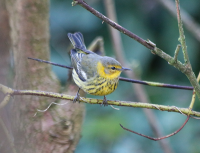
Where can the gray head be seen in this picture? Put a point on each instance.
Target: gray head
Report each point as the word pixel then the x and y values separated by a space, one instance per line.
pixel 109 62
pixel 111 67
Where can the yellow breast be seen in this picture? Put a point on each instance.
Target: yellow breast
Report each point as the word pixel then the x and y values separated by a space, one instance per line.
pixel 101 86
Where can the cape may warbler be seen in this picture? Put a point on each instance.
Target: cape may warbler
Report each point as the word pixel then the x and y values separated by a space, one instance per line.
pixel 94 74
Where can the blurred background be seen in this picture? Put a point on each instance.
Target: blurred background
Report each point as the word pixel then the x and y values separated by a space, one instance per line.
pixel 149 19
pixel 101 132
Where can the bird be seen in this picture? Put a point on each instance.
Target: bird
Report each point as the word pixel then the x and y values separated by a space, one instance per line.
pixel 94 74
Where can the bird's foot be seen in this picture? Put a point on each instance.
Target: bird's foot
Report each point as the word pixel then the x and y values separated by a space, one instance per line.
pixel 104 103
pixel 76 98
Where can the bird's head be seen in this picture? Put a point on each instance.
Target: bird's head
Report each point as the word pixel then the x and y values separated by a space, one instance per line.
pixel 109 68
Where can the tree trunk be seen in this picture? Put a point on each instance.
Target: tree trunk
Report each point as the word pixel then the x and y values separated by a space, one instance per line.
pixel 4 71
pixel 58 129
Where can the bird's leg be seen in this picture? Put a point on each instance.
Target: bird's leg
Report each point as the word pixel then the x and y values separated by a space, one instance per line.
pixel 77 97
pixel 105 103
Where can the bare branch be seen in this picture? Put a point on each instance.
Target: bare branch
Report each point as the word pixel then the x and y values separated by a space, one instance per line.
pixel 167 136
pixel 194 94
pixel 156 139
pixel 140 92
pixel 99 101
pixel 187 19
pixel 155 84
pixel 113 24
pixel 5 101
pixel 186 69
pixel 8 135
pixel 182 36
pixel 176 52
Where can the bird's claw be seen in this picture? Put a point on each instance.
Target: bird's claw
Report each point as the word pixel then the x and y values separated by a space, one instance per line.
pixel 104 103
pixel 76 98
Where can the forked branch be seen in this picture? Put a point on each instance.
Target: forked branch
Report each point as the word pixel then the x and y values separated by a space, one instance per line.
pixel 167 136
pixel 184 68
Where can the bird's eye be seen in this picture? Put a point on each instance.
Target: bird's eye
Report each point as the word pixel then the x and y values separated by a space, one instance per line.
pixel 113 68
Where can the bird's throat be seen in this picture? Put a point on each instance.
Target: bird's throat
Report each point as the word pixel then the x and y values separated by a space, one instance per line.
pixel 102 73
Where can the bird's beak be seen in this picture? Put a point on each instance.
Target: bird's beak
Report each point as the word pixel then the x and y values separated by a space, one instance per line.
pixel 124 69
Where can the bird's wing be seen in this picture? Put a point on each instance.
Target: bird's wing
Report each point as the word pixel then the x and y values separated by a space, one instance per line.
pixel 77 41
pixel 76 58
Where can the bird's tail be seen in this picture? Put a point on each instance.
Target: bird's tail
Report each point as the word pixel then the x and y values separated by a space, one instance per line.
pixel 77 41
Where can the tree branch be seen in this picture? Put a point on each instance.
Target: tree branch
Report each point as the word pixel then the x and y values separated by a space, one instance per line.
pixel 140 92
pixel 167 136
pixel 14 92
pixel 112 23
pixel 182 36
pixel 8 135
pixel 160 138
pixel 155 84
pixel 110 102
pixel 181 67
pixel 187 19
pixel 188 72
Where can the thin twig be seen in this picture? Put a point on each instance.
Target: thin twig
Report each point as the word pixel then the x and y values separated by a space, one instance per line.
pixel 181 32
pixel 5 101
pixel 181 67
pixel 176 52
pixel 194 94
pixel 179 110
pixel 187 19
pixel 156 139
pixel 188 117
pixel 8 135
pixel 197 118
pixel 155 84
pixel 48 62
pixel 188 71
pixel 97 46
pixel 113 24
pixel 5 89
pixel 140 92
pixel 44 110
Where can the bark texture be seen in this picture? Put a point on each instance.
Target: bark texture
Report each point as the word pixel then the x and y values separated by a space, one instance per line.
pixel 4 72
pixel 58 129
